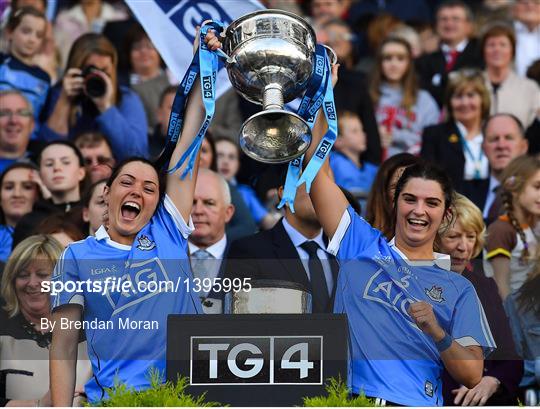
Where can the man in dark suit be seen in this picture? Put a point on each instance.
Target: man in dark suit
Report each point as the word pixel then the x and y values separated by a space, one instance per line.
pixel 454 26
pixel 293 250
pixel 504 140
pixel 212 210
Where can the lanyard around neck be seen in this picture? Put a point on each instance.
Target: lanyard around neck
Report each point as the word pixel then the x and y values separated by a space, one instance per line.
pixel 470 155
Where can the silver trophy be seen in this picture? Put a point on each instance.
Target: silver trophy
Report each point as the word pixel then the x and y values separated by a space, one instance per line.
pixel 271 61
pixel 269 297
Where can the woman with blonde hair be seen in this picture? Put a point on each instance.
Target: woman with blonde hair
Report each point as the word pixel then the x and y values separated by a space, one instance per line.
pixel 89 98
pixel 463 240
pixel 456 145
pixel 25 335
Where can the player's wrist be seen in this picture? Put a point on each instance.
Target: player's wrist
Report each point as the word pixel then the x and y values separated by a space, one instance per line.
pixel 443 343
pixel 438 334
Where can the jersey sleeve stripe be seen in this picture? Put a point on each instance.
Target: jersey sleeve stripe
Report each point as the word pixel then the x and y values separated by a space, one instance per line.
pixel 179 221
pixel 485 325
pixel 467 341
pixel 498 252
pixel 335 243
pixel 76 299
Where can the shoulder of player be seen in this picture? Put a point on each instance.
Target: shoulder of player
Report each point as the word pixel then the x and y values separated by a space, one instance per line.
pixel 80 248
pixel 462 285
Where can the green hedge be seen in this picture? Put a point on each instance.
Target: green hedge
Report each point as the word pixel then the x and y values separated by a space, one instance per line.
pixel 160 394
pixel 338 396
pixel 167 394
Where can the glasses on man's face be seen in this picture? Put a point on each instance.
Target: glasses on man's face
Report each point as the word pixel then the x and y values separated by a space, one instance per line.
pixel 21 113
pixel 99 161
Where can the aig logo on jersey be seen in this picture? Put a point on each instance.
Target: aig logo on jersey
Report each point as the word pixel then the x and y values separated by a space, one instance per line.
pixel 256 360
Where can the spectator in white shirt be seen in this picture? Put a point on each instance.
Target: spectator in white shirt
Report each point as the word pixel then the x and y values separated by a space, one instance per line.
pixel 527 27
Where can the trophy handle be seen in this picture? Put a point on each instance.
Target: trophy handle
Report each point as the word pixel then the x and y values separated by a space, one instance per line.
pixel 331 54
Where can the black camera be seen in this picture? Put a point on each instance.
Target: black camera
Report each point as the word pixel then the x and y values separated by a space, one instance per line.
pixel 94 85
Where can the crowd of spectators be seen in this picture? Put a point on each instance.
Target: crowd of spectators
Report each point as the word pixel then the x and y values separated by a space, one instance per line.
pixel 449 81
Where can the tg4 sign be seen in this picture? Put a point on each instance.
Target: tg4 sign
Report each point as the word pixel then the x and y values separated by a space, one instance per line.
pixel 261 360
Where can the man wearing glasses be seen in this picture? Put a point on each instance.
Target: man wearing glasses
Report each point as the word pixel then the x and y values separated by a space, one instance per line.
pixel 16 126
pixel 97 152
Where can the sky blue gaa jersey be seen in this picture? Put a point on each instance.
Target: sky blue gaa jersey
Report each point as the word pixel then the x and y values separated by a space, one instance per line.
pixel 391 358
pixel 125 349
pixel 6 240
pixel 32 81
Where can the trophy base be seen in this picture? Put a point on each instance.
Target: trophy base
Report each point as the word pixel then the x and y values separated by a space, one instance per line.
pixel 275 136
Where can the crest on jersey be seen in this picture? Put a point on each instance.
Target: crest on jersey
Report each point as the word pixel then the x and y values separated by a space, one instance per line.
pixel 428 389
pixel 145 243
pixel 435 294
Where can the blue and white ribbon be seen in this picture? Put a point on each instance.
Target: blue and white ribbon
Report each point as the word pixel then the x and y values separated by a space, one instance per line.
pixel 319 90
pixel 205 65
pixel 325 146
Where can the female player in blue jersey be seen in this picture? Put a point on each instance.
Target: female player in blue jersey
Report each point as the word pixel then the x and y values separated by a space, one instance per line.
pixel 408 314
pixel 145 242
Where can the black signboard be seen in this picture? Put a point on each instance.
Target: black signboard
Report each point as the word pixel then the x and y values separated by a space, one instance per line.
pixel 257 359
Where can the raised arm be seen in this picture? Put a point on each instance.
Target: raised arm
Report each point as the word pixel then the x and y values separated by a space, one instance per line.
pixel 63 356
pixel 181 191
pixel 328 200
pixel 58 120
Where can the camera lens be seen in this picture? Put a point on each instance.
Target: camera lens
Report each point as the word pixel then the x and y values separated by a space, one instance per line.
pixel 95 85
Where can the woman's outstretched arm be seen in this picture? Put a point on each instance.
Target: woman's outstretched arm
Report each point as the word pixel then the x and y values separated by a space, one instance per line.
pixel 328 200
pixel 181 191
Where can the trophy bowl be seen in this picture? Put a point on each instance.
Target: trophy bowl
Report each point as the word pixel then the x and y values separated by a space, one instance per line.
pixel 271 61
pixel 269 297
